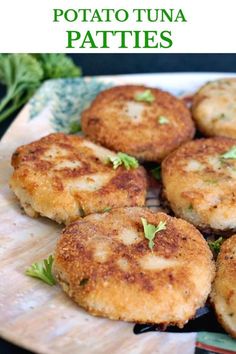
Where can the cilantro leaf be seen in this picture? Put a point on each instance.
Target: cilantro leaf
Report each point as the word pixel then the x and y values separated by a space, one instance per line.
pixel 145 96
pixel 124 159
pixel 42 270
pixel 163 120
pixel 215 245
pixel 230 154
pixel 156 172
pixel 151 230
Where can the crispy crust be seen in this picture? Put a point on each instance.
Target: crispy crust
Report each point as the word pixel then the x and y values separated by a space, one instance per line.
pixel 223 294
pixel 64 176
pixel 118 122
pixel 214 110
pixel 103 263
pixel 200 186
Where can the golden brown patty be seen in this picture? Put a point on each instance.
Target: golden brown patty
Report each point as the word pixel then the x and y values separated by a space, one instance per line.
pixel 64 176
pixel 214 108
pixel 146 130
pixel 223 294
pixel 104 263
pixel 200 185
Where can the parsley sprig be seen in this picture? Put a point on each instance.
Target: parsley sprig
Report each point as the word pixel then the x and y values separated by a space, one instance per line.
pixel 151 230
pixel 42 270
pixel 22 74
pixel 124 159
pixel 231 154
pixel 215 245
pixel 145 96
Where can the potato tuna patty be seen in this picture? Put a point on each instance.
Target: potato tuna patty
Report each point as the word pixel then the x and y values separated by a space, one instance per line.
pixel 64 176
pixel 104 263
pixel 224 289
pixel 199 182
pixel 214 108
pixel 145 122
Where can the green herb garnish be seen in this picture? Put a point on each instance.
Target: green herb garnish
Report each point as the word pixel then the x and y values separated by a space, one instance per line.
pixel 105 210
pixel 145 96
pixel 215 245
pixel 151 230
pixel 231 154
pixel 124 159
pixel 156 172
pixel 42 270
pixel 22 74
pixel 74 127
pixel 57 65
pixel 163 120
pixel 211 181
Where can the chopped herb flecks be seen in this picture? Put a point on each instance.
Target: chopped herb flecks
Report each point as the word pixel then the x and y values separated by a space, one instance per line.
pixel 211 181
pixel 230 154
pixel 215 245
pixel 105 210
pixel 145 96
pixel 163 120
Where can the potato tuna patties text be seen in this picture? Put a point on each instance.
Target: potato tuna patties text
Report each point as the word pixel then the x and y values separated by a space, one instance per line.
pixel 199 182
pixel 144 122
pixel 64 176
pixel 214 108
pixel 224 289
pixel 107 266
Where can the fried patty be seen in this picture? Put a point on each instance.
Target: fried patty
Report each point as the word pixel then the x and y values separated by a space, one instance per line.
pixel 104 263
pixel 223 293
pixel 64 177
pixel 214 108
pixel 200 185
pixel 147 130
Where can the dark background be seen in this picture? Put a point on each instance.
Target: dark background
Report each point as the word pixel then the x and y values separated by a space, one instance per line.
pixel 111 64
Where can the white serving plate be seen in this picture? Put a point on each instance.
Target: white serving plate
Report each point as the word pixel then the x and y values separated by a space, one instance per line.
pixel 34 315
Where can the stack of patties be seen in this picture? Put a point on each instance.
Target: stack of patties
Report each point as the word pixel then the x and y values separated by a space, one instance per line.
pixel 115 257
